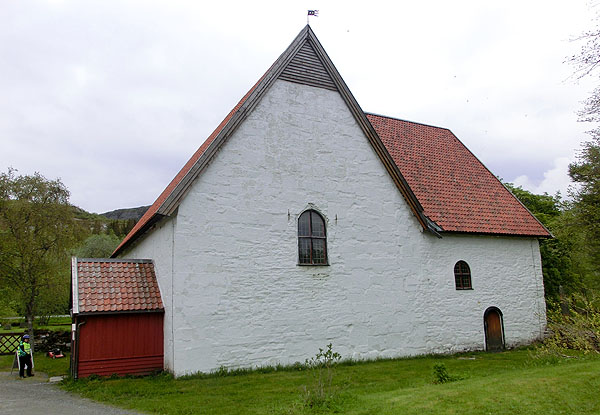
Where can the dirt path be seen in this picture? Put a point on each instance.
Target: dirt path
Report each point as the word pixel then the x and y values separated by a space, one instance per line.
pixel 38 396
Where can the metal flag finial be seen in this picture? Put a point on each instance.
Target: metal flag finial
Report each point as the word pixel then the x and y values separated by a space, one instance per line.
pixel 312 13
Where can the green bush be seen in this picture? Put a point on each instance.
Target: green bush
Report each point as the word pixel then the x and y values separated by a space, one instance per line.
pixel 574 324
pixel 441 375
pixel 320 392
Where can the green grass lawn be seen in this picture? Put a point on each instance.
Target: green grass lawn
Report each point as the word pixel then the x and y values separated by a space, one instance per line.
pixel 501 383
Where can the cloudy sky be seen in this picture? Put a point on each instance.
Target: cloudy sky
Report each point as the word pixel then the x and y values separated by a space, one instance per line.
pixel 113 97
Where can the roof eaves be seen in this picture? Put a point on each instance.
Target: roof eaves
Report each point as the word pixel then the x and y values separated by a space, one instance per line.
pixel 507 234
pixel 112 312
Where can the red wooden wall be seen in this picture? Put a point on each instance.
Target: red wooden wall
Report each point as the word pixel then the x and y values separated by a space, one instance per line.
pixel 121 344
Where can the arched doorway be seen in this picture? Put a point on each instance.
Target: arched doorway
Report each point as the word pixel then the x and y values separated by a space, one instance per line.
pixel 494 330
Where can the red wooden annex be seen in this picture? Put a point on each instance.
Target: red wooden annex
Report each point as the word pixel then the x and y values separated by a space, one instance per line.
pixel 117 316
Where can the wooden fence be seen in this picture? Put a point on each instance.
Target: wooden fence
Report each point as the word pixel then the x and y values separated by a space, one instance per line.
pixel 9 342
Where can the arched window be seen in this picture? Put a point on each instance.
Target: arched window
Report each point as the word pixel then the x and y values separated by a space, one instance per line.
pixel 462 276
pixel 312 239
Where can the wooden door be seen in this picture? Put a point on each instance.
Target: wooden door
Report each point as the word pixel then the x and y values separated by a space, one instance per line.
pixel 494 340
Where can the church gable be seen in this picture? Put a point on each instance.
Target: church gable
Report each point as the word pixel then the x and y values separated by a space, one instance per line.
pixel 305 62
pixel 308 69
pixel 301 147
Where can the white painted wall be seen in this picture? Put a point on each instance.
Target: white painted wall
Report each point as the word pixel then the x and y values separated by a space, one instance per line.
pixel 159 246
pixel 240 299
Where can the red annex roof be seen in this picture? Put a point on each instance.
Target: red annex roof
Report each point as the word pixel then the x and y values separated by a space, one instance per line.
pixel 455 189
pixel 109 285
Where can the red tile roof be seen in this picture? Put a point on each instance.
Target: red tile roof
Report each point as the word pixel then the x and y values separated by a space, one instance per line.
pixel 455 189
pixel 108 285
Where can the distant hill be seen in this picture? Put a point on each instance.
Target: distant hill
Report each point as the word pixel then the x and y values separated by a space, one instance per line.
pixel 124 214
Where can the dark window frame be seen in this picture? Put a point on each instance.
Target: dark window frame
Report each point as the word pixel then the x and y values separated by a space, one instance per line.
pixel 311 237
pixel 462 276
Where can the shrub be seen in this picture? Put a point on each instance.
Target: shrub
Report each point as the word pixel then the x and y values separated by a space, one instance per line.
pixel 574 325
pixel 441 375
pixel 320 392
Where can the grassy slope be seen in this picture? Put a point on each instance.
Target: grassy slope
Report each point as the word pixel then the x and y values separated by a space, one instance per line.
pixel 510 383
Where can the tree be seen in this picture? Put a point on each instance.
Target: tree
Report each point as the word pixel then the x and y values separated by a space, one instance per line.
pixel 121 227
pixel 98 246
pixel 586 170
pixel 586 206
pixel 557 253
pixel 37 229
pixel 8 305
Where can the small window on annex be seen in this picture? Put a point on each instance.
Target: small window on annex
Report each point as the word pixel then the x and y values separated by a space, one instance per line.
pixel 312 239
pixel 462 276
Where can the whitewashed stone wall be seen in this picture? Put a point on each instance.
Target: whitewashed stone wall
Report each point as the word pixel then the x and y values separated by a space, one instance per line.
pixel 240 299
pixel 159 246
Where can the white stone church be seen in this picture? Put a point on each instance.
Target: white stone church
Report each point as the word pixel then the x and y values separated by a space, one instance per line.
pixel 303 221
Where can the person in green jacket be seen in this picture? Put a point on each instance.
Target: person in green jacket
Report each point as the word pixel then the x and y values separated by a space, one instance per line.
pixel 24 351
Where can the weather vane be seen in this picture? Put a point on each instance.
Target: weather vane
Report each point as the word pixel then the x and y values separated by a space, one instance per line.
pixel 312 13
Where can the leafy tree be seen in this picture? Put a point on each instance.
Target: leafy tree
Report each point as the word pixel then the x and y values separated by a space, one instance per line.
pixel 8 305
pixel 98 246
pixel 586 170
pixel 121 227
pixel 557 253
pixel 546 208
pixel 586 207
pixel 37 230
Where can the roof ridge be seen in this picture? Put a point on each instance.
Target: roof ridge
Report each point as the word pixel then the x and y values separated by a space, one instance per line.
pixel 409 121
